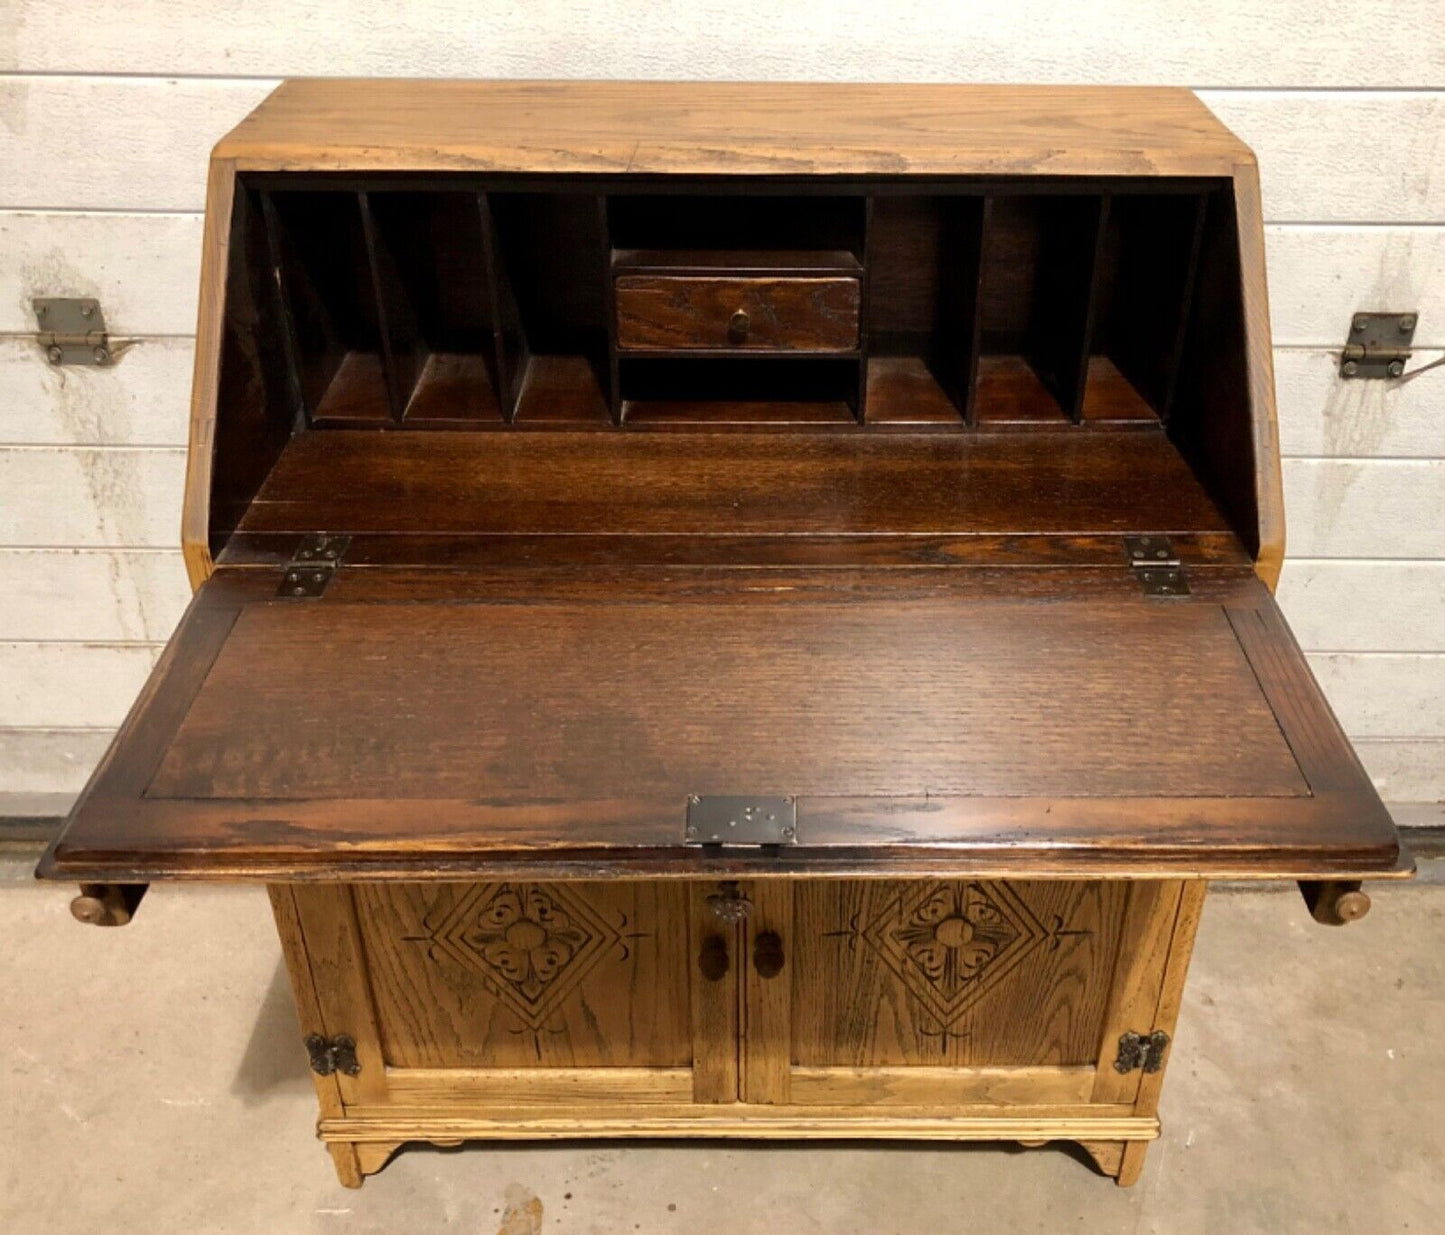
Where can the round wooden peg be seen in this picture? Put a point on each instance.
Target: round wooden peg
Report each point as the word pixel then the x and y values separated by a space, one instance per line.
pixel 107 904
pixel 1335 902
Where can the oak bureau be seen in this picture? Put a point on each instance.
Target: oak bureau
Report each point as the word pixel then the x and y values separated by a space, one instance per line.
pixel 732 610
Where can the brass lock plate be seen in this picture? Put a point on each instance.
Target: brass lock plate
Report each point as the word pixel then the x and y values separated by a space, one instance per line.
pixel 734 819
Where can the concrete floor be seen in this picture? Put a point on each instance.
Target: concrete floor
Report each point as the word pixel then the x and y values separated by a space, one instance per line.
pixel 152 1081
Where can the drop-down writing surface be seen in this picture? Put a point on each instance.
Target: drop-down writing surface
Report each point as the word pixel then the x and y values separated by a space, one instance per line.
pixel 1031 720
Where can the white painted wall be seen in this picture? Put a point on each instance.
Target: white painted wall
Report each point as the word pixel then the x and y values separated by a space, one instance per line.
pixel 107 113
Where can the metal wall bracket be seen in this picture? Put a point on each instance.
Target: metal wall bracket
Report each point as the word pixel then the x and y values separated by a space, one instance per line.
pixel 1156 565
pixel 312 565
pixel 330 1055
pixel 1139 1051
pixel 1379 345
pixel 726 819
pixel 71 330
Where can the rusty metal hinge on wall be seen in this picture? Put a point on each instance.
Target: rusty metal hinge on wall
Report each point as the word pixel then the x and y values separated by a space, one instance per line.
pixel 1140 1051
pixel 312 565
pixel 330 1055
pixel 1379 344
pixel 1156 565
pixel 71 330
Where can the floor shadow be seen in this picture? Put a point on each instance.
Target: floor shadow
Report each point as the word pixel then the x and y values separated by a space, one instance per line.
pixel 274 1061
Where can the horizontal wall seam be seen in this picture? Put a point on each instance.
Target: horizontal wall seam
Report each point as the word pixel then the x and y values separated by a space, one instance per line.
pixel 224 78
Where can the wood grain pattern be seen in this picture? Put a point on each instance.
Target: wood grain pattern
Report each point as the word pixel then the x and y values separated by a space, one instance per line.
pixel 766 1035
pixel 570 702
pixel 531 975
pixel 963 973
pixel 781 314
pixel 716 1000
pixel 1147 936
pixel 928 1085
pixel 701 484
pixel 120 833
pixel 703 128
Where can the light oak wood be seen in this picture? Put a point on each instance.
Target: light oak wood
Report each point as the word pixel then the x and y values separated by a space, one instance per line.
pixel 210 325
pixel 963 973
pixel 921 1085
pixel 716 999
pixel 519 974
pixel 718 128
pixel 525 1086
pixel 782 1123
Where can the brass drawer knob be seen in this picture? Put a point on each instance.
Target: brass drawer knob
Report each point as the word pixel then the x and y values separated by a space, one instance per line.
pixel 738 326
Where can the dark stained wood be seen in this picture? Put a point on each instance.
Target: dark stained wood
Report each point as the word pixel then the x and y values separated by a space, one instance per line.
pixel 737 313
pixel 736 262
pixel 453 390
pixel 996 552
pixel 644 483
pixel 799 698
pixel 575 727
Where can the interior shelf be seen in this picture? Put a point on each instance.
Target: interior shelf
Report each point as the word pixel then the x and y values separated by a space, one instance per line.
pixel 829 484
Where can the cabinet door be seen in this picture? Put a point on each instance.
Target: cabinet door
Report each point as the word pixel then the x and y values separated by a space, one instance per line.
pixel 520 992
pixel 929 991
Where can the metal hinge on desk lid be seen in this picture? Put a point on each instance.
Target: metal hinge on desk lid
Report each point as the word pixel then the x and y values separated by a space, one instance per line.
pixel 1156 565
pixel 1379 345
pixel 728 819
pixel 1139 1051
pixel 313 564
pixel 330 1055
pixel 72 330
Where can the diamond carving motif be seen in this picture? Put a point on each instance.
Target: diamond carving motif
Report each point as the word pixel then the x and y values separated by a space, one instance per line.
pixel 532 944
pixel 949 943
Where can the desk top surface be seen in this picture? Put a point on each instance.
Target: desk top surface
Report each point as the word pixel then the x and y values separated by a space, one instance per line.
pixel 733 128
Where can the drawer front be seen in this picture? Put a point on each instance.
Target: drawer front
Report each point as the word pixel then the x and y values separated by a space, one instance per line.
pixel 665 312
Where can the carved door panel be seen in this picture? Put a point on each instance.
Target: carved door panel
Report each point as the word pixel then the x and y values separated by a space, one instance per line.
pixel 891 986
pixel 529 975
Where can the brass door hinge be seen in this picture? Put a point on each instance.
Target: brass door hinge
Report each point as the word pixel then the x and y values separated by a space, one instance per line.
pixel 1140 1051
pixel 71 330
pixel 330 1055
pixel 312 565
pixel 1156 565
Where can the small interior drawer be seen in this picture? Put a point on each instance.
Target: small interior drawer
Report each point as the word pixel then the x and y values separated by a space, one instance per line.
pixel 728 312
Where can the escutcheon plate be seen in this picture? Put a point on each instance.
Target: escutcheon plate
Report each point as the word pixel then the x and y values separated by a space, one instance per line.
pixel 730 819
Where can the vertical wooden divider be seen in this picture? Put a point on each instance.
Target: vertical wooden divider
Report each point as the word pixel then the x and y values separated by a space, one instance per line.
pixel 508 363
pixel 961 327
pixel 1074 408
pixel 1061 319
pixel 860 407
pixel 278 282
pixel 614 376
pixel 403 351
pixel 1186 309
